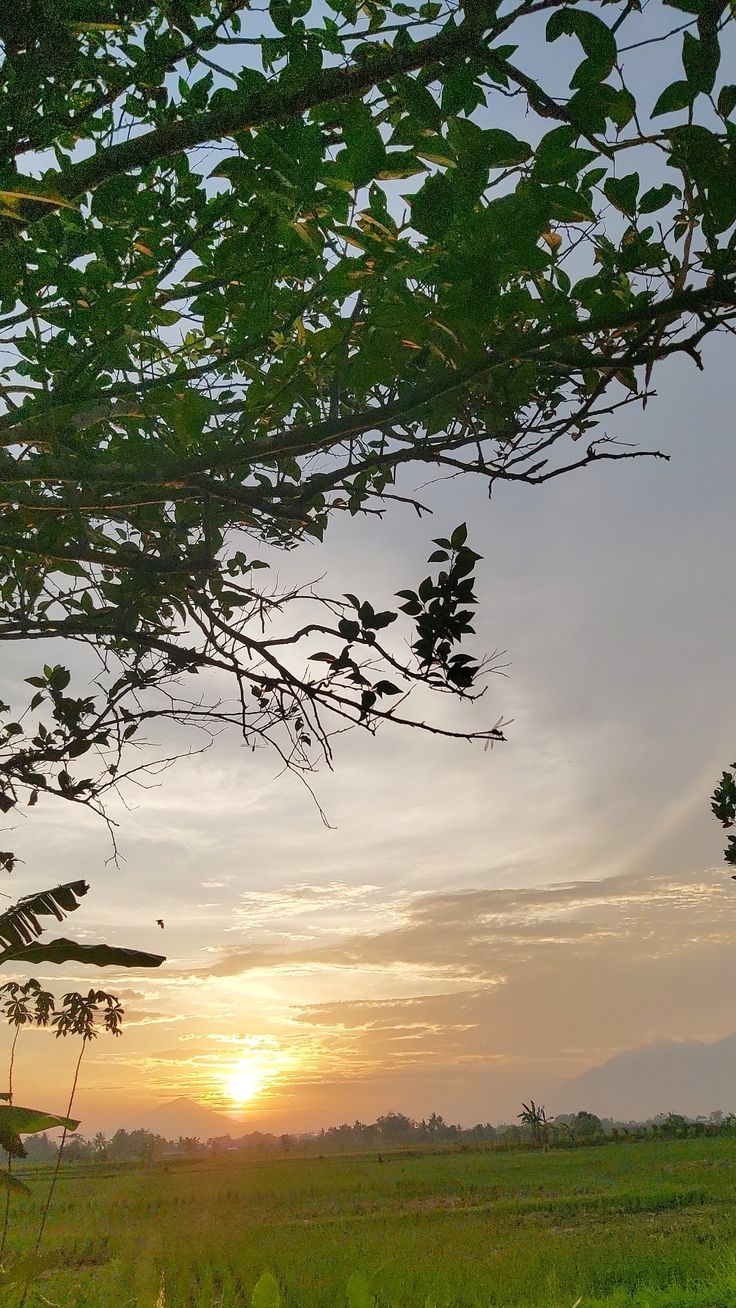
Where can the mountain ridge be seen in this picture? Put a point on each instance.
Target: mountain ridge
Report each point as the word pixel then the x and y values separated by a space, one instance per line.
pixel 184 1116
pixel 689 1076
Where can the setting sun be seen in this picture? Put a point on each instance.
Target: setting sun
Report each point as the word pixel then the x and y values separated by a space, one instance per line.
pixel 244 1082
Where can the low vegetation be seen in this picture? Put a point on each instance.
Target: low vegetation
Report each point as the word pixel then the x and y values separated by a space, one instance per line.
pixel 629 1224
pixel 389 1131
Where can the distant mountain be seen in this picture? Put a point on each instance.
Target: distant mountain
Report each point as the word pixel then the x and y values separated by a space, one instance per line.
pixel 186 1117
pixel 687 1076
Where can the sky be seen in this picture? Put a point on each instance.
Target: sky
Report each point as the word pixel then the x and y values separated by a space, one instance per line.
pixel 472 928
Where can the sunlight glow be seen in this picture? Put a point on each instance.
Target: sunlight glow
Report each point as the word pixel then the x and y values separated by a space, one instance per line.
pixel 246 1079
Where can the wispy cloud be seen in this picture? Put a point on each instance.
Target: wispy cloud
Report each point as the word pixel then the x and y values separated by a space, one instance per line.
pixel 475 934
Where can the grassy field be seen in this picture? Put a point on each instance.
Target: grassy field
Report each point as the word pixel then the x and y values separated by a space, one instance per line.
pixel 648 1224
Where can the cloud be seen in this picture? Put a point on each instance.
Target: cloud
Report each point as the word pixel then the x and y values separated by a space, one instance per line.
pixel 535 982
pixel 140 1017
pixel 478 934
pixel 460 1000
pixel 323 907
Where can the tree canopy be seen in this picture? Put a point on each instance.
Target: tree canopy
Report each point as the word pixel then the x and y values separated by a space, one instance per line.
pixel 262 266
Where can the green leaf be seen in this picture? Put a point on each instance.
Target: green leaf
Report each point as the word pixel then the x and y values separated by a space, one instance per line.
pixel 597 40
pixel 712 168
pixel 29 1121
pixel 557 159
pixel 461 92
pixel 189 413
pixel 433 207
pixel 593 104
pixel 365 153
pixel 280 15
pixel 700 59
pixel 70 951
pixel 657 197
pixel 727 100
pixel 678 95
pixel 266 1293
pixel 502 150
pixel 623 192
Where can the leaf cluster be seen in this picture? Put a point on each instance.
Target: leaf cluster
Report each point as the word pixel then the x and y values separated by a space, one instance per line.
pixel 723 806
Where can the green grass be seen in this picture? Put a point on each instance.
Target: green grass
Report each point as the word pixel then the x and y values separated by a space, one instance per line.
pixel 649 1225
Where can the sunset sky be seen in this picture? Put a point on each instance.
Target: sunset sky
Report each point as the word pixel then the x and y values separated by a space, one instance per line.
pixel 473 927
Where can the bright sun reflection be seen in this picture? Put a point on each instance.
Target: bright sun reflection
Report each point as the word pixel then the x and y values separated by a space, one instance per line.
pixel 245 1080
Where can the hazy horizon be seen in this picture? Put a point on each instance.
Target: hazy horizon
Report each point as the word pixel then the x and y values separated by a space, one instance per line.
pixel 607 1089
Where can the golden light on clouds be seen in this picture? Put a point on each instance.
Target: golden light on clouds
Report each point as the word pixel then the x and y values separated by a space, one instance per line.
pixel 462 1000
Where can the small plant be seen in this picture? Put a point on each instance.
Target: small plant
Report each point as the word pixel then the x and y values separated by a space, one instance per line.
pixel 79 1015
pixel 535 1117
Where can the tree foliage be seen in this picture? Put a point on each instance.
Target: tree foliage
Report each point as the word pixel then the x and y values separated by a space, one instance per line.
pixel 723 805
pixel 259 268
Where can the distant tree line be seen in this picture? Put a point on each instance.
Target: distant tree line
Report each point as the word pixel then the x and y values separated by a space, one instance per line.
pixel 389 1131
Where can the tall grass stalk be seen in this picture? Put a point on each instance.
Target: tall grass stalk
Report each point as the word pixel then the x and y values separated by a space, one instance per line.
pixel 55 1173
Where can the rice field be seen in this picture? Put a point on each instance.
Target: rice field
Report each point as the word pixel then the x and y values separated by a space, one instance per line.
pixel 646 1225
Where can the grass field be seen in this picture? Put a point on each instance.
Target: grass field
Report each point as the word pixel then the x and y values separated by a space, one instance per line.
pixel 648 1224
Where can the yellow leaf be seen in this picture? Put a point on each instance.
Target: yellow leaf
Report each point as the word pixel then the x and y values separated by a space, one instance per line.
pixel 337 183
pixel 552 239
pixel 9 197
pixel 143 249
pixel 443 328
pixel 398 174
pixel 307 237
pixel 368 218
pixel 431 157
pixel 98 27
pixel 435 349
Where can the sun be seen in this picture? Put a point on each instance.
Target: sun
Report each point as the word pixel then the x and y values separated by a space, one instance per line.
pixel 245 1080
